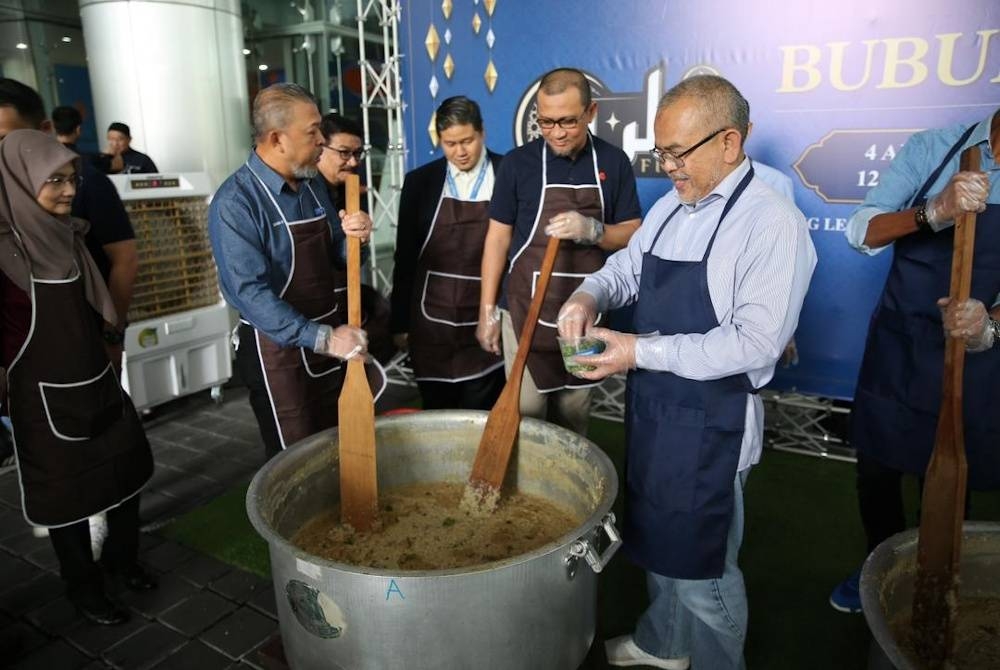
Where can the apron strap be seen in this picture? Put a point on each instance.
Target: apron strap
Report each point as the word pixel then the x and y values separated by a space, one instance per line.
pixel 919 197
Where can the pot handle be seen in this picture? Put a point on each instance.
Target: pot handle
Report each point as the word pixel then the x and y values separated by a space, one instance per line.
pixel 584 547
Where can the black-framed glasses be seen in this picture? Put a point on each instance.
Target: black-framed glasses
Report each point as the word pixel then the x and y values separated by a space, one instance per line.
pixel 61 180
pixel 348 154
pixel 566 123
pixel 662 155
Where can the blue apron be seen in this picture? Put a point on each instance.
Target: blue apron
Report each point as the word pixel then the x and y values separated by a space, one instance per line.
pixel 898 397
pixel 683 436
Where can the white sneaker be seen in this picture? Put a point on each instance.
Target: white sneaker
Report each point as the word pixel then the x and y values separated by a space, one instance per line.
pixel 98 532
pixel 623 651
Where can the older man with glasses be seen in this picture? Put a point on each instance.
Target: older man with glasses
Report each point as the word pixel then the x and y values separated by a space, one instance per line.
pixel 566 184
pixel 717 274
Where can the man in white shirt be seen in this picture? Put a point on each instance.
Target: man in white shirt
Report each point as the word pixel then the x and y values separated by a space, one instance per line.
pixel 718 273
pixel 443 219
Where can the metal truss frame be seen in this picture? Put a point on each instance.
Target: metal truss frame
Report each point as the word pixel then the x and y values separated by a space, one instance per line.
pixel 381 89
pixel 795 422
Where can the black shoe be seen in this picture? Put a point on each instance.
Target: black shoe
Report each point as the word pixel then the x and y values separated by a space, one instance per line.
pixel 99 609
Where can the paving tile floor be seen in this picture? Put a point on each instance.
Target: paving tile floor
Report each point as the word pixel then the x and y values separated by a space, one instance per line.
pixel 205 614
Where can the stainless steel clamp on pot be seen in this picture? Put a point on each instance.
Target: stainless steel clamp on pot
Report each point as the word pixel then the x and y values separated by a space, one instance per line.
pixel 585 547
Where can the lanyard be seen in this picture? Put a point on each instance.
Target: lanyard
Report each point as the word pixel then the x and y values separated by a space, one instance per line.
pixel 453 187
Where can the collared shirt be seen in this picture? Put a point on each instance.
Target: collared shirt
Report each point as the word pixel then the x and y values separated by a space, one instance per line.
pixel 517 193
pixel 465 180
pixel 758 274
pixel 911 167
pixel 253 248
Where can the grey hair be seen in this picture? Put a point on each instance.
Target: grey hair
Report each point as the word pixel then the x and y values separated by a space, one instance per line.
pixel 272 107
pixel 721 102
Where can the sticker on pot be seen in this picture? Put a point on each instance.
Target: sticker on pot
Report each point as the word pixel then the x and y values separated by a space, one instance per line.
pixel 315 611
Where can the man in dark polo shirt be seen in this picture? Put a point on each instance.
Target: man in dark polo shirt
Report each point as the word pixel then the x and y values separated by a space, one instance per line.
pixel 120 144
pixel 566 184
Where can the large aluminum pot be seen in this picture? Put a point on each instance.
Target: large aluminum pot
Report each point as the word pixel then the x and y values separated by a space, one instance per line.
pixel 533 611
pixel 888 575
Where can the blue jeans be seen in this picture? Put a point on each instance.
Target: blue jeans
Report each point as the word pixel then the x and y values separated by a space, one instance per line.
pixel 705 619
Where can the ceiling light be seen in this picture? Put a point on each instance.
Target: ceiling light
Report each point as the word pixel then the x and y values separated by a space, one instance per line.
pixel 246 52
pixel 67 39
pixel 262 67
pixel 21 45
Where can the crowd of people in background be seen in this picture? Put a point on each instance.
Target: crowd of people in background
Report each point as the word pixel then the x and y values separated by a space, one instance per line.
pixel 716 273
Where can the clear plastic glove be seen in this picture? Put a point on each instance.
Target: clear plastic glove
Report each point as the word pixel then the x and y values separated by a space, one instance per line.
pixel 618 355
pixel 965 192
pixel 967 320
pixel 575 226
pixel 357 225
pixel 488 328
pixel 402 341
pixel 344 342
pixel 577 315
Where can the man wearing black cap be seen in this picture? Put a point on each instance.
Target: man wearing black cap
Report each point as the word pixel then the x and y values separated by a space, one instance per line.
pixel 119 141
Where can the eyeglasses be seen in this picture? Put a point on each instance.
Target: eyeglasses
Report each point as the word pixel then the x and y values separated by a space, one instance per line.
pixel 677 160
pixel 59 180
pixel 566 123
pixel 347 154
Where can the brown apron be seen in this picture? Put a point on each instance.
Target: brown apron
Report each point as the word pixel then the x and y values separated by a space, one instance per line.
pixel 81 448
pixel 304 386
pixel 574 262
pixel 445 305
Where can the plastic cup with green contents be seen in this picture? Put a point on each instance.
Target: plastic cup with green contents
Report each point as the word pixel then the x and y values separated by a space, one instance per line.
pixel 579 346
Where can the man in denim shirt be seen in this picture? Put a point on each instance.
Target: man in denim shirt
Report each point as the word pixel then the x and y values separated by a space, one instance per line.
pixel 276 245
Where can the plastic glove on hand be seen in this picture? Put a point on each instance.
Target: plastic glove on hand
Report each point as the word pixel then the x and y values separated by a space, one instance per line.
pixel 965 192
pixel 488 328
pixel 969 321
pixel 575 226
pixel 346 342
pixel 618 355
pixel 577 315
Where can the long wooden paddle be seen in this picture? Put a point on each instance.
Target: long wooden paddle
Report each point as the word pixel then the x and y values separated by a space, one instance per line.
pixel 490 467
pixel 943 505
pixel 356 408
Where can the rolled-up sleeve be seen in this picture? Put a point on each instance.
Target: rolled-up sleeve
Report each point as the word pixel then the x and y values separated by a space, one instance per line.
pixel 897 185
pixel 245 270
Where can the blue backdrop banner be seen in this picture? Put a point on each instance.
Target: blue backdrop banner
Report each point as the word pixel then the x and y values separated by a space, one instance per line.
pixel 835 90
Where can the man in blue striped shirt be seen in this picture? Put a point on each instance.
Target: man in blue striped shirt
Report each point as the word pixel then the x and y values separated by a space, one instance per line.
pixel 717 272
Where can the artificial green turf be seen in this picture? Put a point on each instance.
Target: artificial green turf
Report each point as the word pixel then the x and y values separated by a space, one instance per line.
pixel 802 537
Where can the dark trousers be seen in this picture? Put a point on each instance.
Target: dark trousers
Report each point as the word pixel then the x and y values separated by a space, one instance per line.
pixel 249 367
pixel 479 393
pixel 121 548
pixel 880 499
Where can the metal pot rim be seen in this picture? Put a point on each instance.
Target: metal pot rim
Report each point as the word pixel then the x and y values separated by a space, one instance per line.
pixel 271 535
pixel 883 555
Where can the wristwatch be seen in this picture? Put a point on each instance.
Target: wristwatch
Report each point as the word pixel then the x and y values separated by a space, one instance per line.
pixel 920 216
pixel 113 335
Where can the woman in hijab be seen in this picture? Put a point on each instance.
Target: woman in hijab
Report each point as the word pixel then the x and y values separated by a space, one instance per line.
pixel 80 446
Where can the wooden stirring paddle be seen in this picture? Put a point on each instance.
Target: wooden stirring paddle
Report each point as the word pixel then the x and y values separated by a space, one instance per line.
pixel 935 597
pixel 356 408
pixel 482 493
